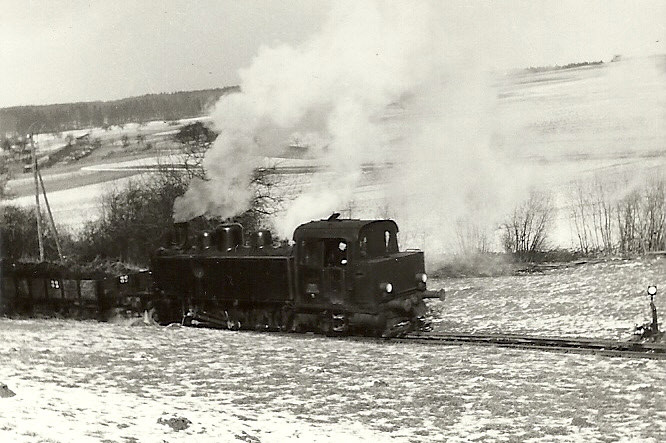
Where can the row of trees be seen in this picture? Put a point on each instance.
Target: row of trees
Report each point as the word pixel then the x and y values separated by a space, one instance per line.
pixel 137 219
pixel 603 222
pixel 620 217
pixel 606 218
pixel 63 117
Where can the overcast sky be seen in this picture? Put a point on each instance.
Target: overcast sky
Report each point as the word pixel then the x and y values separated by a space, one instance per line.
pixel 54 51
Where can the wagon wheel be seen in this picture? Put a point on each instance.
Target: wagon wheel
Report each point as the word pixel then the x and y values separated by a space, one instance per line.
pixel 234 320
pixel 151 314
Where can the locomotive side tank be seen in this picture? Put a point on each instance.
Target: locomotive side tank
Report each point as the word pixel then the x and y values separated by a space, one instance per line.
pixel 219 281
pixel 341 276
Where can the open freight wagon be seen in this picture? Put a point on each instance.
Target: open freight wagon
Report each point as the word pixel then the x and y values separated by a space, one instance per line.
pixel 44 289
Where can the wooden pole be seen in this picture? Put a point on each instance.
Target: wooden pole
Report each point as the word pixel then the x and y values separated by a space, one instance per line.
pixel 48 209
pixel 38 211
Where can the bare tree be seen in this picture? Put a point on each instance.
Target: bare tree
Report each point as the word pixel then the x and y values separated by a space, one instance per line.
pixel 641 219
pixel 125 141
pixel 579 217
pixel 603 215
pixel 593 215
pixel 526 231
pixel 653 217
pixel 4 174
pixel 627 222
pixel 195 140
pixel 471 237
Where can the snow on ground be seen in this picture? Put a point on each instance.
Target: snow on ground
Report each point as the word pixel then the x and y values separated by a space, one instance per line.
pixel 85 381
pixel 74 207
pixel 603 300
pixel 88 381
pixel 140 164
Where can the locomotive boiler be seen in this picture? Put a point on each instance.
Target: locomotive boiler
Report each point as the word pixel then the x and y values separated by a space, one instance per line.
pixel 340 276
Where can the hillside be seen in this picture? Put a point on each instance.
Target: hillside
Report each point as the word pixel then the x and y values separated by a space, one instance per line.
pixel 71 116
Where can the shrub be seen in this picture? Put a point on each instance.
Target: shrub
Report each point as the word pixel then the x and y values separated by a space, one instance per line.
pixel 18 234
pixel 134 222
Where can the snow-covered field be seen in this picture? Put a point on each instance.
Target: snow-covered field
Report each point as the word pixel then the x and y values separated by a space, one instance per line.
pixel 88 381
pixel 602 300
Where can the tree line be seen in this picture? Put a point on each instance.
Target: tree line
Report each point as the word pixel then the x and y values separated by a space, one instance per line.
pixel 68 116
pixel 627 217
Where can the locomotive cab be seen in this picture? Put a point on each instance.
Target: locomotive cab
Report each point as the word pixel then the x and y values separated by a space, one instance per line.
pixel 353 270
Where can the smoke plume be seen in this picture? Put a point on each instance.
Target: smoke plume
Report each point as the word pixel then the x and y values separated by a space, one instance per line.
pixel 383 83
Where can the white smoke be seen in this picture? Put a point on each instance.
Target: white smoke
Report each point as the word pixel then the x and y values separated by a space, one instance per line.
pixel 340 88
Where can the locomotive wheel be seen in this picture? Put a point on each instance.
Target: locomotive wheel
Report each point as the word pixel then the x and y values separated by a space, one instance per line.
pixel 275 320
pixel 252 317
pixel 333 324
pixel 325 323
pixel 261 320
pixel 286 319
pixel 339 324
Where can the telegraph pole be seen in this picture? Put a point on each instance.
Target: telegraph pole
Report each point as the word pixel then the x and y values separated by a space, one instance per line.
pixel 48 209
pixel 38 211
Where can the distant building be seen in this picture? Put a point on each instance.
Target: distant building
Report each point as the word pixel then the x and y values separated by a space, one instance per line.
pixel 83 139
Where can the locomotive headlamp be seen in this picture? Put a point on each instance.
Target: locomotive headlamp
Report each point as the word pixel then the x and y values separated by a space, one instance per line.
pixel 386 287
pixel 652 290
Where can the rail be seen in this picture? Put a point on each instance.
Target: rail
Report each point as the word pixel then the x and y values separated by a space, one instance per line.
pixel 615 348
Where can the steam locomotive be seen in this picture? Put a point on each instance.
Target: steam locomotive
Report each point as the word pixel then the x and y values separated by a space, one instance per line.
pixel 340 276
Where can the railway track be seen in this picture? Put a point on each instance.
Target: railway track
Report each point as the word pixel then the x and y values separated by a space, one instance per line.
pixel 614 348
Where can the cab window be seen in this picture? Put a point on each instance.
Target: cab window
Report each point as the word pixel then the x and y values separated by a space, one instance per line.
pixel 378 242
pixel 336 252
pixel 311 253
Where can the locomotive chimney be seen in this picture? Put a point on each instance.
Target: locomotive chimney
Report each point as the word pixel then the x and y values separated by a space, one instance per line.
pixel 206 240
pixel 180 237
pixel 229 236
pixel 262 239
